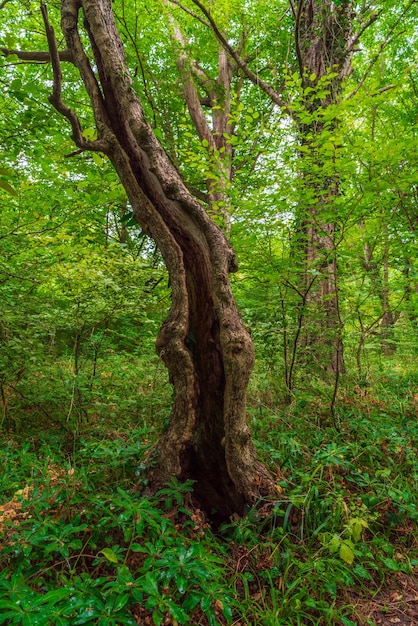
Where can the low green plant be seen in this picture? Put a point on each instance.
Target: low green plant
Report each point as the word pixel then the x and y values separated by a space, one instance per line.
pixel 80 544
pixel 71 555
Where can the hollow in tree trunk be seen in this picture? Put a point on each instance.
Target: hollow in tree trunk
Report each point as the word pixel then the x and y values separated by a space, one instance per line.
pixel 203 342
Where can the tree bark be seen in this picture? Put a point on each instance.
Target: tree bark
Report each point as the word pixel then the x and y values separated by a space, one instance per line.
pixel 215 138
pixel 388 317
pixel 379 277
pixel 322 39
pixel 325 44
pixel 203 341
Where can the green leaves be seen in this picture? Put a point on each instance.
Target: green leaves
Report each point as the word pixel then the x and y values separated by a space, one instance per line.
pixel 355 527
pixel 4 184
pixel 154 566
pixel 109 555
pixel 346 552
pixel 7 187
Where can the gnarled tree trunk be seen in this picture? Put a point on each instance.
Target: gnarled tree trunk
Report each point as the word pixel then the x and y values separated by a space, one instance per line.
pixel 203 341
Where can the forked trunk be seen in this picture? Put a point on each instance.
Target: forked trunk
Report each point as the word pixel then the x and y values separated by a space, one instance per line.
pixel 203 341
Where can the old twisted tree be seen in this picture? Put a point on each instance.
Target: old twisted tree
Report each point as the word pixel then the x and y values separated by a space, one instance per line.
pixel 203 342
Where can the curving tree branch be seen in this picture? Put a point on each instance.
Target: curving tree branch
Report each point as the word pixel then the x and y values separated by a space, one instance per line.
pixel 56 97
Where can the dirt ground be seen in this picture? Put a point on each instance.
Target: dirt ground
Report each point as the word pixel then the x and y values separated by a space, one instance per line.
pixel 395 604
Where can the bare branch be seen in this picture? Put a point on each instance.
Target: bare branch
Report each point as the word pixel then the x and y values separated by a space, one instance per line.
pixel 36 56
pixel 56 97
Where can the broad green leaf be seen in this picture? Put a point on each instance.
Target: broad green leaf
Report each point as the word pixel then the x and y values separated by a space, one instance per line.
pixel 90 134
pixel 97 159
pixel 178 613
pixel 5 185
pixel 56 595
pixel 357 530
pixel 362 572
pixel 206 603
pixel 157 617
pixel 346 553
pixel 392 564
pixel 110 555
pixel 120 602
pixel 149 584
pixel 191 601
pixel 334 544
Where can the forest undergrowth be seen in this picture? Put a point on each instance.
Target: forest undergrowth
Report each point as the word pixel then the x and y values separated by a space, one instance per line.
pixel 80 543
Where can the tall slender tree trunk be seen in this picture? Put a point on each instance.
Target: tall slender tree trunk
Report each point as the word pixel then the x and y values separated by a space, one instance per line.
pixel 379 277
pixel 410 289
pixel 388 317
pixel 203 342
pixel 322 37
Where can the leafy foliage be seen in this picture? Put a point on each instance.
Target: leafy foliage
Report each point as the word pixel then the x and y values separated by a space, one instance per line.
pixel 73 550
pixel 83 397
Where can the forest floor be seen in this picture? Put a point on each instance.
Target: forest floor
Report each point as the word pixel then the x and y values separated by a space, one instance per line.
pixel 80 544
pixel 395 603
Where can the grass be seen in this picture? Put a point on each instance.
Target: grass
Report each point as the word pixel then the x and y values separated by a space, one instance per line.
pixel 80 544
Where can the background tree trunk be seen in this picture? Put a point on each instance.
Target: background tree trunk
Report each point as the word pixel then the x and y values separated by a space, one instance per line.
pixel 203 341
pixel 214 137
pixel 322 37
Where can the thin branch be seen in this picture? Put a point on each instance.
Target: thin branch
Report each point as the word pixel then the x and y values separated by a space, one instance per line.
pixel 254 78
pixel 388 39
pixel 382 90
pixel 193 68
pixel 190 92
pixel 31 280
pixel 36 56
pixel 365 26
pixel 133 38
pixel 40 407
pixel 297 42
pixel 372 63
pixel 192 13
pixel 56 97
pixel 73 154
